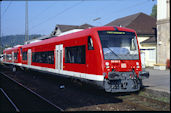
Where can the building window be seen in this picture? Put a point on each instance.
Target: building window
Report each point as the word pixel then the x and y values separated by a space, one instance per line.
pixel 43 57
pixel 24 55
pixel 75 54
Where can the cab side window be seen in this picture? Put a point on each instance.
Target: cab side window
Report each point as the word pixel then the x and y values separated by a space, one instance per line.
pixel 90 43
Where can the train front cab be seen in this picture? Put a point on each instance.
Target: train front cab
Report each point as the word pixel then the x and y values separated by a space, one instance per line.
pixel 121 60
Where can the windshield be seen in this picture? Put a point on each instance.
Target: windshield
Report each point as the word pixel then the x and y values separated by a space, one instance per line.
pixel 119 45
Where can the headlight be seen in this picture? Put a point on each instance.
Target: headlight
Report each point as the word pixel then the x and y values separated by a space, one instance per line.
pixel 107 66
pixel 107 63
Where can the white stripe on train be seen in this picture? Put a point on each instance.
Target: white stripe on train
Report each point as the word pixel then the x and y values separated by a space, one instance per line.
pixel 69 73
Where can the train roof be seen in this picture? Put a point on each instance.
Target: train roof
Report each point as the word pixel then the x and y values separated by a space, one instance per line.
pixel 76 35
pixel 12 49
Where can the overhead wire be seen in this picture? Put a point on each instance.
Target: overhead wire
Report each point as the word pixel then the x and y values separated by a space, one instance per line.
pixel 136 7
pixel 42 12
pixel 50 18
pixel 125 9
pixel 132 6
pixel 1 15
pixel 6 8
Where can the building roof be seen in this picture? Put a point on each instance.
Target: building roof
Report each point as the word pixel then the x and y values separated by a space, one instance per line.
pixel 151 40
pixel 84 26
pixel 64 28
pixel 143 24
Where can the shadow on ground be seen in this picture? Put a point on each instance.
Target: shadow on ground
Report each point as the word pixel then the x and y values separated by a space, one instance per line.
pixel 64 92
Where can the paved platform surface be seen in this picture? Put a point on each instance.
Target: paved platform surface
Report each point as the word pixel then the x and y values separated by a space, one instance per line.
pixel 159 80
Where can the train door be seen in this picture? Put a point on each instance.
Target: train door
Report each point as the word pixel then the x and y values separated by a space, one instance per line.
pixel 59 58
pixel 29 57
pixel 13 57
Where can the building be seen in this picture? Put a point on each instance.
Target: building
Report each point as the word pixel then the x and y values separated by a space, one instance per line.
pixel 163 28
pixel 64 28
pixel 148 51
pixel 145 27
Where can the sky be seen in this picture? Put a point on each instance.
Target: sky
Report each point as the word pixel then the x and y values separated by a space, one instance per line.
pixel 44 15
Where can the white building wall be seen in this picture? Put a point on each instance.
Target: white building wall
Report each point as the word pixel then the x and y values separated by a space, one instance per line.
pixel 163 31
pixel 141 39
pixel 150 55
pixel 149 52
pixel 161 9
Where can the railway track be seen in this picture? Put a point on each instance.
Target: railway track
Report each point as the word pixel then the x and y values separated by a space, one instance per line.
pixel 7 103
pixel 17 97
pixel 76 97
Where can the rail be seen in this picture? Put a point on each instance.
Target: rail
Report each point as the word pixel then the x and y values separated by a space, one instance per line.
pixel 16 108
pixel 39 96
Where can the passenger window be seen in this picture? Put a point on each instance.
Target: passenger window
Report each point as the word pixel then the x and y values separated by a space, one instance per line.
pixel 90 43
pixel 43 57
pixel 24 55
pixel 16 55
pixel 75 54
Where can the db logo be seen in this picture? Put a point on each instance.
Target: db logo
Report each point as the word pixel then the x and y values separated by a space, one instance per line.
pixel 123 65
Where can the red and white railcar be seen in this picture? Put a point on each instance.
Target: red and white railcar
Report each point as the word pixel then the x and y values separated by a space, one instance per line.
pixel 107 56
pixel 12 55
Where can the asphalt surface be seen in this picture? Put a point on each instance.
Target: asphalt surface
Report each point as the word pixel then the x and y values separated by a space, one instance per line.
pixel 76 96
pixel 159 80
pixel 5 104
pixel 24 100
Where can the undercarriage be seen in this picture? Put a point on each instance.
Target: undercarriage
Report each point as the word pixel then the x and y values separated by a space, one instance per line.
pixel 122 82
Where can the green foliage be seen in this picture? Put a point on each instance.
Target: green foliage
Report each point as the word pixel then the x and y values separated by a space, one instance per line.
pixel 13 40
pixel 152 96
pixel 154 11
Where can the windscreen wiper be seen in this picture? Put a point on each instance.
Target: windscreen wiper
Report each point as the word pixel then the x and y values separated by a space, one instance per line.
pixel 114 52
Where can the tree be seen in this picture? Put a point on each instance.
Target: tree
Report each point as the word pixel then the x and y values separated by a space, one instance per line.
pixel 154 11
